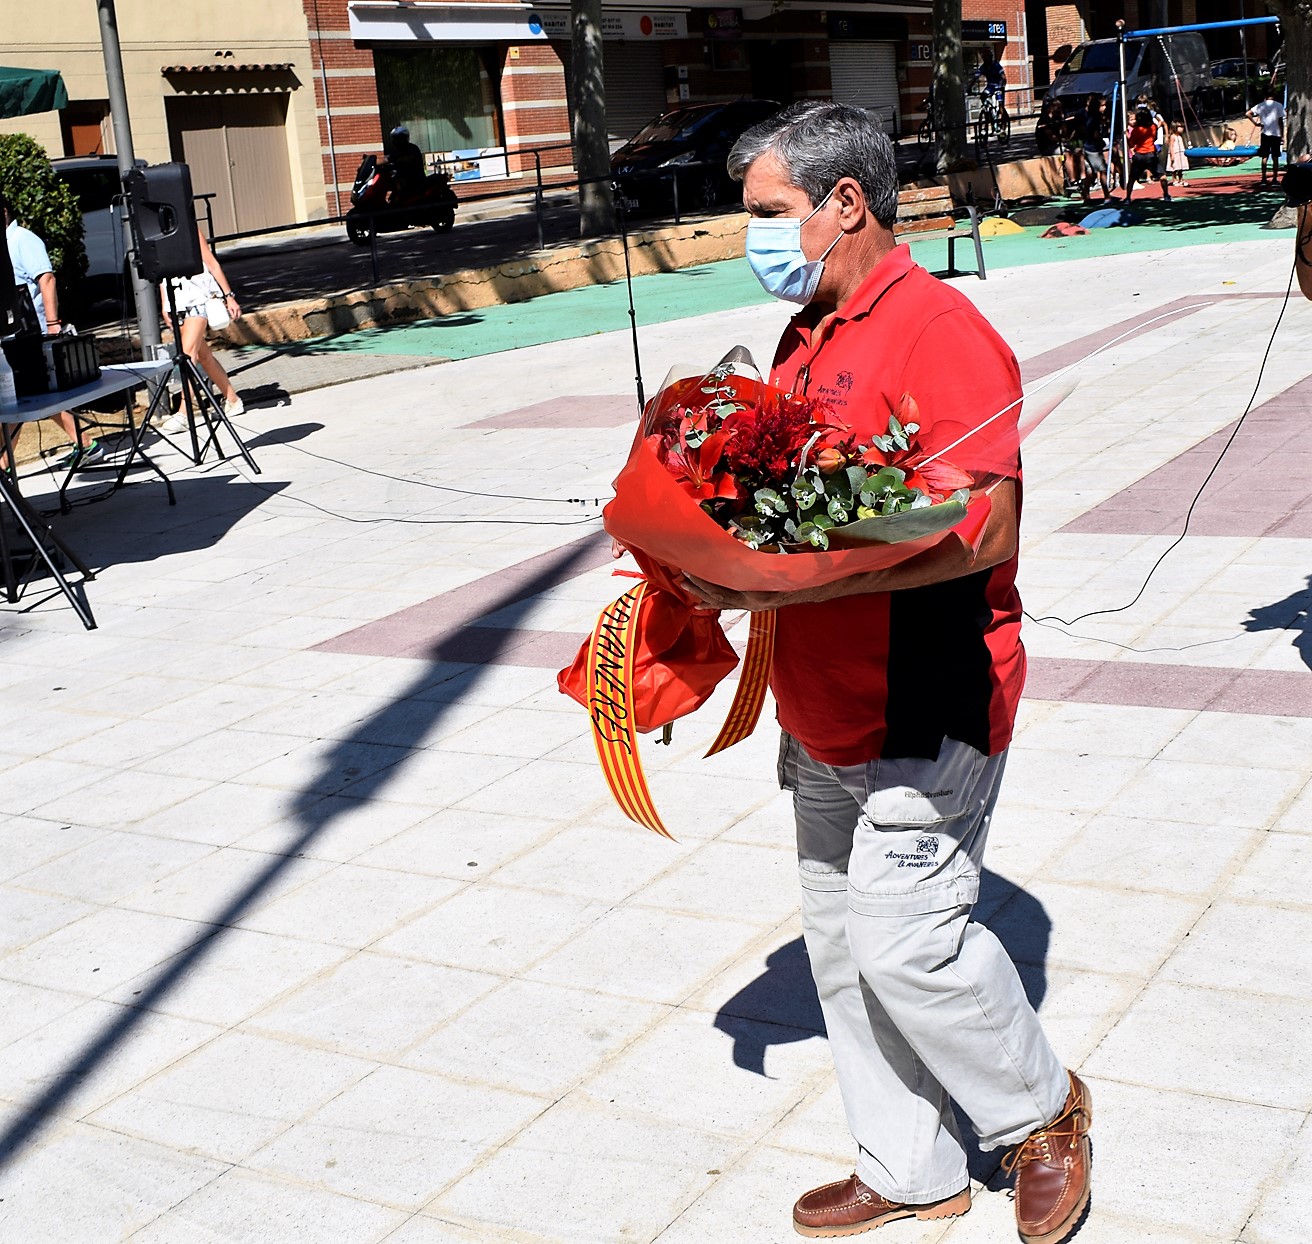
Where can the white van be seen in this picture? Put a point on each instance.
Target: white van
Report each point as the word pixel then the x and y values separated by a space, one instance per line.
pixel 1153 67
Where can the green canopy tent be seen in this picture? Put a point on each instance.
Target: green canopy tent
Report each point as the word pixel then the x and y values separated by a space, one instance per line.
pixel 24 91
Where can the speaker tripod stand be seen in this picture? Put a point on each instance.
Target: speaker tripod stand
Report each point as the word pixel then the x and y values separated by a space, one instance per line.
pixel 197 398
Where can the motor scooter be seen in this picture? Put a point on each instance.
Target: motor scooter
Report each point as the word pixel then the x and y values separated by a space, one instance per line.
pixel 378 206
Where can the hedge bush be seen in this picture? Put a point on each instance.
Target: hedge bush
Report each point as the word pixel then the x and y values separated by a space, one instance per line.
pixel 45 205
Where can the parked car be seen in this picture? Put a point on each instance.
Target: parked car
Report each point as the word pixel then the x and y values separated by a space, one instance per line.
pixel 688 145
pixel 1233 67
pixel 1155 67
pixel 95 183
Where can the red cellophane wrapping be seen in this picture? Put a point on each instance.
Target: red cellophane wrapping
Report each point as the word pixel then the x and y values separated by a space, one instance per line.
pixel 682 651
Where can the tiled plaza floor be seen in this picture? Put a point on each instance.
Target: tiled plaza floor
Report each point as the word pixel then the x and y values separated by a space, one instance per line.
pixel 318 924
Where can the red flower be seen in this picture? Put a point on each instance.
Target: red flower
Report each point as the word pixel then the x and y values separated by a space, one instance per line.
pixel 937 479
pixel 698 470
pixel 766 440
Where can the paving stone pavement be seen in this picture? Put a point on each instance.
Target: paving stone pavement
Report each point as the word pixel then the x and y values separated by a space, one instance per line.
pixel 318 924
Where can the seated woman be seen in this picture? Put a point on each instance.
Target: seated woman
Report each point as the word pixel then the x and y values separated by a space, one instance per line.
pixel 192 294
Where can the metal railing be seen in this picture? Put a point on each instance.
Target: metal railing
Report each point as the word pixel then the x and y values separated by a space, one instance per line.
pixel 543 182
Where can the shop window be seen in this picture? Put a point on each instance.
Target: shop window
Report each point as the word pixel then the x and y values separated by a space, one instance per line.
pixel 447 97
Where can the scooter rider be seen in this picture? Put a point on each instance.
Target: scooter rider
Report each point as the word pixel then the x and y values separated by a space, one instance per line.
pixel 407 162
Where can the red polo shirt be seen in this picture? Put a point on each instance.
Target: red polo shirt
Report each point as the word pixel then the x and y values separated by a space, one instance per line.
pixel 892 674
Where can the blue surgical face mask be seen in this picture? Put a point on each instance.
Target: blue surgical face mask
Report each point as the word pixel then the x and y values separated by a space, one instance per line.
pixel 774 251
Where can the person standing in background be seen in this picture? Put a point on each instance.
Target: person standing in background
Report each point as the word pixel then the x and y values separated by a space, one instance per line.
pixel 1270 115
pixel 194 296
pixel 32 268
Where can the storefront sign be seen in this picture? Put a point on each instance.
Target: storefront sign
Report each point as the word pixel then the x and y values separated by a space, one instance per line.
pixel 615 24
pixel 886 27
pixel 378 22
pixel 475 164
pixel 724 23
pixel 984 32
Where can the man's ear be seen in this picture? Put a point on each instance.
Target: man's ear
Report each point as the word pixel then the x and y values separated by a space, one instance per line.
pixel 852 208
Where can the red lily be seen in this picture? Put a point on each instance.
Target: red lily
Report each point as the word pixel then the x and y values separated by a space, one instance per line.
pixel 697 470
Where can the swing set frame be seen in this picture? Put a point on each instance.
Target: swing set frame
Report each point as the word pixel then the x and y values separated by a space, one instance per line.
pixel 1123 36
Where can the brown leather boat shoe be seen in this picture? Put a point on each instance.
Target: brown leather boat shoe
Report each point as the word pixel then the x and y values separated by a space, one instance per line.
pixel 1054 1171
pixel 849 1207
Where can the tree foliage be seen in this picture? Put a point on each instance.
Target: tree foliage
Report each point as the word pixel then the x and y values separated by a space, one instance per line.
pixel 44 204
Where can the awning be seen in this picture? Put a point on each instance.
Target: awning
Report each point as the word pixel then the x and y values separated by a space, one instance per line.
pixel 24 91
pixel 227 67
pixel 387 21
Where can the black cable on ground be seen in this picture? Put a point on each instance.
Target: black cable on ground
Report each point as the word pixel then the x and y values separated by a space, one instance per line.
pixel 1184 530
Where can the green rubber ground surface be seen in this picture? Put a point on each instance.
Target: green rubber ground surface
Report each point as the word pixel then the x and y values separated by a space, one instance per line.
pixel 1196 220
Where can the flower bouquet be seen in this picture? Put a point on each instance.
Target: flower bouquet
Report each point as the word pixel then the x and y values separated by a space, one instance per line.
pixel 729 472
pixel 736 482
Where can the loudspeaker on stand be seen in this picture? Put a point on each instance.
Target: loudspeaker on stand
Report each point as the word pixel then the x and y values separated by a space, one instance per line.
pixel 163 218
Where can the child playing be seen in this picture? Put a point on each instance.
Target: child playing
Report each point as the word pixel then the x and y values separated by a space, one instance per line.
pixel 1177 163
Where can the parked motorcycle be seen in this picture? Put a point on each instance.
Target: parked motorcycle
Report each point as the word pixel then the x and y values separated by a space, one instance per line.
pixel 377 205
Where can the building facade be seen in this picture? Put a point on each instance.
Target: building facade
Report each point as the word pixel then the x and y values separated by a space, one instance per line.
pixel 223 85
pixel 274 103
pixel 483 86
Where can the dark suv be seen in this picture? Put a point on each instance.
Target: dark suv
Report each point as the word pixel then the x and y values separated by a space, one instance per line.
pixel 687 146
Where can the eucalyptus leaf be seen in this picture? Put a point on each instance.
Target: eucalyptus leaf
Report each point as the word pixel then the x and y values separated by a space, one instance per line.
pixel 896 528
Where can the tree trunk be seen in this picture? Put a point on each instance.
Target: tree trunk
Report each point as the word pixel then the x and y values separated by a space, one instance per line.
pixel 949 87
pixel 1296 27
pixel 591 149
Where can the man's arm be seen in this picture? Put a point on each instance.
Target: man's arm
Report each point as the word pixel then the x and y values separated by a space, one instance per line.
pixel 49 298
pixel 949 559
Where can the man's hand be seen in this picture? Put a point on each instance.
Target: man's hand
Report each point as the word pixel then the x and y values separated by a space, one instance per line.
pixel 713 596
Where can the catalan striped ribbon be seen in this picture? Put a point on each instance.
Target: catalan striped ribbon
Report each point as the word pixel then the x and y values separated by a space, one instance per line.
pixel 753 678
pixel 610 705
pixel 611 708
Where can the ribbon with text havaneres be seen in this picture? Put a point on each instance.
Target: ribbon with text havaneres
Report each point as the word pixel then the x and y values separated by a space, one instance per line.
pixel 610 706
pixel 753 678
pixel 614 710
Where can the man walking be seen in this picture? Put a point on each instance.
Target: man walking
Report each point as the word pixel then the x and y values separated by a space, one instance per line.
pixel 897 692
pixel 1270 115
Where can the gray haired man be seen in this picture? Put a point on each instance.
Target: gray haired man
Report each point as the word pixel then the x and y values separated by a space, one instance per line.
pixel 897 692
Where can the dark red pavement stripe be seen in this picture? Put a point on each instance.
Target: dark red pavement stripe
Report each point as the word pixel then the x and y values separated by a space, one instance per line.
pixel 581 411
pixel 1261 488
pixel 435 628
pixel 1049 361
pixel 1274 693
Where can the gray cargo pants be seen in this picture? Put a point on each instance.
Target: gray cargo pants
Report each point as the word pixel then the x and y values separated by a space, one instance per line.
pixel 921 1003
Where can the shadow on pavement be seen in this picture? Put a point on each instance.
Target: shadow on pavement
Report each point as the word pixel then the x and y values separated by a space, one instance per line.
pixel 401 724
pixel 780 1006
pixel 1293 614
pixel 139 525
pixel 287 435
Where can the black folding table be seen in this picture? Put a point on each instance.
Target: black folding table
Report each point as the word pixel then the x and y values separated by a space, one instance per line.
pixel 113 379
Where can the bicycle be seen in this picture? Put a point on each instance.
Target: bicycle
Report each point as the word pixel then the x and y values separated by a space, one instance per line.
pixel 993 122
pixel 932 125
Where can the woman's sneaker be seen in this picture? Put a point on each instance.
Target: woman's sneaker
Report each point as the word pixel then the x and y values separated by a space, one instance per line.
pixel 176 422
pixel 88 455
pixel 234 408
